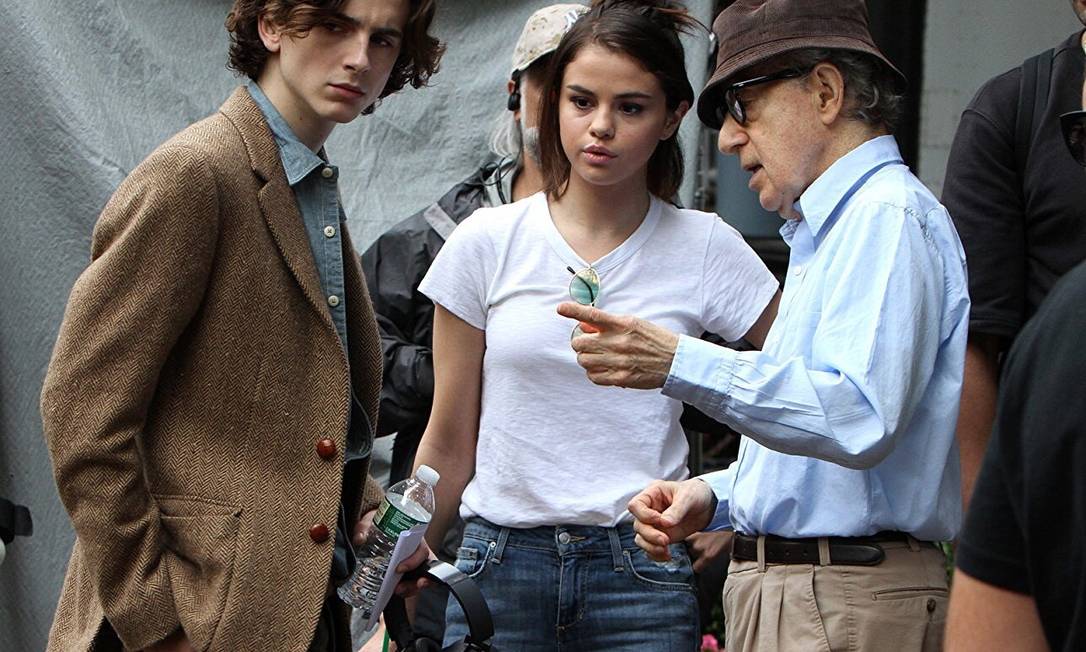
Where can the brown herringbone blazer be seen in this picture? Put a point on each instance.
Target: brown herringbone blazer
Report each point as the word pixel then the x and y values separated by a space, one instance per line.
pixel 196 368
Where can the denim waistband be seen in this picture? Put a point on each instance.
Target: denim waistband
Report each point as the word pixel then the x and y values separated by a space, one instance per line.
pixel 564 540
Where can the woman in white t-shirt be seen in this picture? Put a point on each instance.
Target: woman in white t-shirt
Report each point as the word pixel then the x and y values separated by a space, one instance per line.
pixel 540 461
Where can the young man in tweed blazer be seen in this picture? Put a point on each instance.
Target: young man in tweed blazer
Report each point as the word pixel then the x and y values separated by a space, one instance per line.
pixel 210 403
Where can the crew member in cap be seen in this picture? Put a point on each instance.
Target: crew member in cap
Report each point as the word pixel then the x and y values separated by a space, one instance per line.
pixel 848 469
pixel 396 263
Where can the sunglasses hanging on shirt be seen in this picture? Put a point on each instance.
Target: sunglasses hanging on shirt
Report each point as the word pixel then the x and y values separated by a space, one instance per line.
pixel 584 288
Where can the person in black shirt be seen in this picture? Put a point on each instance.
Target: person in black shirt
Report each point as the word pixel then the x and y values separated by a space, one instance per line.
pixel 1021 559
pixel 1019 205
pixel 1021 581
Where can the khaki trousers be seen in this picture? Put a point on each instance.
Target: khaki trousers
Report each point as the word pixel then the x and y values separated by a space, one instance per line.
pixel 898 605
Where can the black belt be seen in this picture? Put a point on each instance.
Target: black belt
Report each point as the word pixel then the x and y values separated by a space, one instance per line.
pixel 849 551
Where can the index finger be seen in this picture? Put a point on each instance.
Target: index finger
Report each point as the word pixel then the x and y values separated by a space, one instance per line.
pixel 641 507
pixel 589 315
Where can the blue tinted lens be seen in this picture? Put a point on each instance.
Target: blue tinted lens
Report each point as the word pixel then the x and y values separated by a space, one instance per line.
pixel 584 287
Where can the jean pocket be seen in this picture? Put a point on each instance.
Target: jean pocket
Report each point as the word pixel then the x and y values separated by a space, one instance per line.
pixel 673 575
pixel 473 556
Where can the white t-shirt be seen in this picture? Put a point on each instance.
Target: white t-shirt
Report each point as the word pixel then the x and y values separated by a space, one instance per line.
pixel 553 447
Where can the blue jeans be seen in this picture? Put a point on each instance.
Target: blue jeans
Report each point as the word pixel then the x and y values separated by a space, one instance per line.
pixel 575 587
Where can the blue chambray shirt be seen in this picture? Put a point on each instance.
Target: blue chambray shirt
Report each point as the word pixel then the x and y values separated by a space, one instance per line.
pixel 316 189
pixel 849 411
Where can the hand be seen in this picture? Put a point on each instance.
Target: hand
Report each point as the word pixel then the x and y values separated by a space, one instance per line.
pixel 176 642
pixel 707 547
pixel 667 512
pixel 621 350
pixel 377 640
pixel 410 588
pixel 362 528
pixel 406 588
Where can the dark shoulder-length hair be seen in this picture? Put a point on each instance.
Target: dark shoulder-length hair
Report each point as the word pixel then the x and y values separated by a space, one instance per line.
pixel 420 53
pixel 647 31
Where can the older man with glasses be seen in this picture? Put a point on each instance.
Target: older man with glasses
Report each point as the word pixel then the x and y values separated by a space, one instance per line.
pixel 848 469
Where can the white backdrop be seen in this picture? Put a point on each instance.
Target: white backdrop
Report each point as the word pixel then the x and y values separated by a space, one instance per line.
pixel 967 43
pixel 89 88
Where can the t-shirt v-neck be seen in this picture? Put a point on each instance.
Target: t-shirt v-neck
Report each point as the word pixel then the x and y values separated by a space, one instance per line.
pixel 611 259
pixel 547 436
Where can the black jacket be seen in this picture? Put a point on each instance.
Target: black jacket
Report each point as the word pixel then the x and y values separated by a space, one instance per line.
pixel 394 266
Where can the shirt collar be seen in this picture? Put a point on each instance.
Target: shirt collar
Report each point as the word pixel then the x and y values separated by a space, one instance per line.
pixel 298 160
pixel 822 197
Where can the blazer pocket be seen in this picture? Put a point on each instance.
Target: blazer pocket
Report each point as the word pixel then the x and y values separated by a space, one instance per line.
pixel 201 541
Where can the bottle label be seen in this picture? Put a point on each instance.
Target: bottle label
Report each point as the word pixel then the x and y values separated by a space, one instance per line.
pixel 392 521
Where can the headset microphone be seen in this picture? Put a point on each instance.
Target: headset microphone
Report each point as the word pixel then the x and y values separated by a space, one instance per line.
pixel 513 103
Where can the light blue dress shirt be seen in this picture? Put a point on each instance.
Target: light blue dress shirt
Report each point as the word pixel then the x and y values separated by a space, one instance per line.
pixel 316 189
pixel 849 411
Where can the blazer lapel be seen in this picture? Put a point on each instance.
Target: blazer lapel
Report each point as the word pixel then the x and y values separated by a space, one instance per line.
pixel 280 211
pixel 277 202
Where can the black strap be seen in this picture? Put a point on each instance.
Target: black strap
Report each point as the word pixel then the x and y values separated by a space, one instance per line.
pixel 14 521
pixel 1032 98
pixel 476 612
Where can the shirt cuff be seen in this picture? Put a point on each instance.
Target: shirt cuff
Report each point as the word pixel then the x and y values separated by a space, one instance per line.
pixel 700 374
pixel 720 482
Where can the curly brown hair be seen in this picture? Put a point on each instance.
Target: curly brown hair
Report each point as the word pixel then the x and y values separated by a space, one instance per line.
pixel 420 54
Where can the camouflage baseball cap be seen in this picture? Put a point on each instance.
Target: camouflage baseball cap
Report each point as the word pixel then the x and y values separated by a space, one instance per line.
pixel 542 33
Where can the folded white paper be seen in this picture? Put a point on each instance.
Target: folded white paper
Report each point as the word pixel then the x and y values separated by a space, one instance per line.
pixel 406 545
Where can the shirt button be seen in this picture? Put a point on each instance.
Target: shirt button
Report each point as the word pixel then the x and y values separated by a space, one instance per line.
pixel 333 301
pixel 318 532
pixel 798 271
pixel 326 448
pixel 327 173
pixel 563 538
pixel 329 231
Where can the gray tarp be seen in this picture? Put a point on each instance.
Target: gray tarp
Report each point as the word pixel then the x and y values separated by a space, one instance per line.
pixel 87 89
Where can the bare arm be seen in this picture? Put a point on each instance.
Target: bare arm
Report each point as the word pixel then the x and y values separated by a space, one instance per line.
pixel 986 617
pixel 448 445
pixel 756 335
pixel 978 407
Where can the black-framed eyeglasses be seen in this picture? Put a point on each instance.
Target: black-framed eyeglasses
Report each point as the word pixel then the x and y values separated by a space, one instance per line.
pixel 733 104
pixel 1073 125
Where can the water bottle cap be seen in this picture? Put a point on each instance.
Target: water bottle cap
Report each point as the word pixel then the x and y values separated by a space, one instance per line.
pixel 428 475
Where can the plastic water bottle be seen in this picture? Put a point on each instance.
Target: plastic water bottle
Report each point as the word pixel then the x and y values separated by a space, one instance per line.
pixel 407 504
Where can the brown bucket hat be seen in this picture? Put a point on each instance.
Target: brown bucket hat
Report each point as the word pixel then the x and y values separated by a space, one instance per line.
pixel 751 31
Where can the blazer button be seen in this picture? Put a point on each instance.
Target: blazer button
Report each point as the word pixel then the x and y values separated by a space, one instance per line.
pixel 326 448
pixel 318 532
